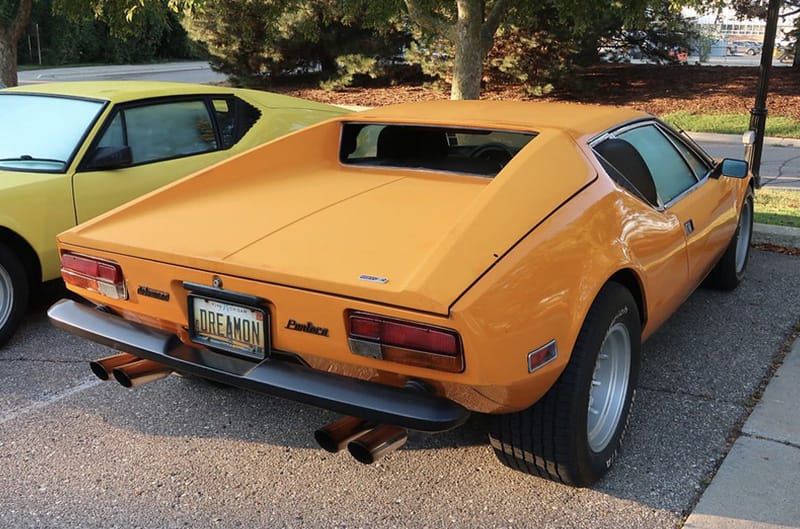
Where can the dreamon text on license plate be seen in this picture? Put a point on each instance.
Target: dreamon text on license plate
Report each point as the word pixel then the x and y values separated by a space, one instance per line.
pixel 236 328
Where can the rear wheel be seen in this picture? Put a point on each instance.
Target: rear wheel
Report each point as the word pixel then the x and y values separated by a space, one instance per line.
pixel 573 434
pixel 14 293
pixel 730 269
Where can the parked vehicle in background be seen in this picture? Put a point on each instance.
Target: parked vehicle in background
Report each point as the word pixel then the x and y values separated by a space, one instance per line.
pixel 744 47
pixel 71 151
pixel 410 265
pixel 784 52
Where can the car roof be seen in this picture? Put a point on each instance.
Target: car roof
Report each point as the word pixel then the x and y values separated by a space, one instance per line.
pixel 575 118
pixel 118 91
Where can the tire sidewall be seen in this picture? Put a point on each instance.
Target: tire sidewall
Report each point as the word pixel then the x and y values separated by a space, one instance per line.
pixel 620 307
pixel 748 202
pixel 12 267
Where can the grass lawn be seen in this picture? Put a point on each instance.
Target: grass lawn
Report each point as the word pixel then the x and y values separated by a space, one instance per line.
pixel 778 126
pixel 778 206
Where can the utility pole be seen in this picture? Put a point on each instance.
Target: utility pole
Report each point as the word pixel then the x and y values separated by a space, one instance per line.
pixel 758 115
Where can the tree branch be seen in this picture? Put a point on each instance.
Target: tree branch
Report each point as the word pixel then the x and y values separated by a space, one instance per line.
pixel 428 21
pixel 493 21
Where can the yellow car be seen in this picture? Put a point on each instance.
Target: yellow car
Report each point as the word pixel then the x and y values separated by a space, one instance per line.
pixel 423 262
pixel 71 151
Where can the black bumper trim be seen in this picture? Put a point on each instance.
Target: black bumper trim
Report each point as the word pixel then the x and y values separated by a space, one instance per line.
pixel 369 400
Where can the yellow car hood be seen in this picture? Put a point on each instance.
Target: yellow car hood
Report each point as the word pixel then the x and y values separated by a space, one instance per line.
pixel 415 239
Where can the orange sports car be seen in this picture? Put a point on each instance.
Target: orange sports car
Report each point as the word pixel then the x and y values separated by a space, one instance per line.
pixel 410 265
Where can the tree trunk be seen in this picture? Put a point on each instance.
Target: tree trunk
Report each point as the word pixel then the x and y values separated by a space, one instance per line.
pixel 8 60
pixel 472 36
pixel 9 38
pixel 468 62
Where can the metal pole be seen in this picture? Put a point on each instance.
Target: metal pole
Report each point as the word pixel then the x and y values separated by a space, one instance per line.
pixel 758 115
pixel 38 44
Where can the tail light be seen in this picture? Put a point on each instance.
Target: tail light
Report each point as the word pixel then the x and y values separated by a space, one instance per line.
pixel 405 342
pixel 95 275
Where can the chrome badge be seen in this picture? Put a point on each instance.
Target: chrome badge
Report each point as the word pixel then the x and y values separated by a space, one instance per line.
pixel 374 279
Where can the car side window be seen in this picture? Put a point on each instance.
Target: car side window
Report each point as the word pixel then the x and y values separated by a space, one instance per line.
pixel 234 117
pixel 114 135
pixel 698 166
pixel 162 131
pixel 670 171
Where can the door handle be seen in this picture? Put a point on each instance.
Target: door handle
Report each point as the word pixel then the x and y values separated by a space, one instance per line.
pixel 688 227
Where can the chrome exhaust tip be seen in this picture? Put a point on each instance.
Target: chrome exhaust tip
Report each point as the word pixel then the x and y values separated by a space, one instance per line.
pixel 336 435
pixel 377 443
pixel 140 372
pixel 103 367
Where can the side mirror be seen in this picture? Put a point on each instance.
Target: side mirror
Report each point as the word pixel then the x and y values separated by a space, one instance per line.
pixel 110 158
pixel 730 168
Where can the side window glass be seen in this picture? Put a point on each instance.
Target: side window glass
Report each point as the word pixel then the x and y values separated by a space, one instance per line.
pixel 114 136
pixel 235 118
pixel 670 172
pixel 699 168
pixel 169 130
pixel 626 166
pixel 226 119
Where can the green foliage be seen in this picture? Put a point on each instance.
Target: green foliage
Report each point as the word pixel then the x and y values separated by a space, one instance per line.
pixel 71 34
pixel 539 60
pixel 260 43
pixel 656 33
pixel 8 8
pixel 349 67
pixel 434 55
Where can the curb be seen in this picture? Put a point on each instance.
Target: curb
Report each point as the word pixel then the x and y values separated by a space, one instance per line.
pixel 778 235
pixel 737 138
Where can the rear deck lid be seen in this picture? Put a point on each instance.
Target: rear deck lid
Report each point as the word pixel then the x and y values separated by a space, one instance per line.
pixel 405 237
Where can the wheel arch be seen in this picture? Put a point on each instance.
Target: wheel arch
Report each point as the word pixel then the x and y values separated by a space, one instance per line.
pixel 26 253
pixel 630 280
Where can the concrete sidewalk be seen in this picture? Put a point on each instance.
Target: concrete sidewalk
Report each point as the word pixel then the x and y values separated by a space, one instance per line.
pixel 758 484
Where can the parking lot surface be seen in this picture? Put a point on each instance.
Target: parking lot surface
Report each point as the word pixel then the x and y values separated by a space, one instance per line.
pixel 75 452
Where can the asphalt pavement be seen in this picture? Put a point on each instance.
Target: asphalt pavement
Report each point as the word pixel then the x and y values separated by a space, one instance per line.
pixel 780 158
pixel 758 484
pixel 75 452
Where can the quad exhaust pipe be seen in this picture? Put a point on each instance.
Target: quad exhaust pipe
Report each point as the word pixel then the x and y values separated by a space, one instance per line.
pixel 128 369
pixel 366 441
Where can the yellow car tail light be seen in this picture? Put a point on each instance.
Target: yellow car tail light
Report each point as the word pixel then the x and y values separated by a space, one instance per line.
pixel 95 275
pixel 405 342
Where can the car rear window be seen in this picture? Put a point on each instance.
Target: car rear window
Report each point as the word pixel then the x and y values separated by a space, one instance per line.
pixel 482 152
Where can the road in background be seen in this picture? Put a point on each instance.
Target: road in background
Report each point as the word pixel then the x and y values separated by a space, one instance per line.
pixel 780 161
pixel 180 453
pixel 182 72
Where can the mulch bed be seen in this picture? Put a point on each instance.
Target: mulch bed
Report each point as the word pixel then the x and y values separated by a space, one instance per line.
pixel 658 89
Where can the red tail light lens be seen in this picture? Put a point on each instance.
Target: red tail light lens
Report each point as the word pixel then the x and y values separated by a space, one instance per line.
pixel 95 275
pixel 405 342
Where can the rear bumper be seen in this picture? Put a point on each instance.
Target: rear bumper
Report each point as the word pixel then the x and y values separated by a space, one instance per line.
pixel 375 402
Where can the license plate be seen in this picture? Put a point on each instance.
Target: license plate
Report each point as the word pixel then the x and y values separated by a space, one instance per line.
pixel 235 328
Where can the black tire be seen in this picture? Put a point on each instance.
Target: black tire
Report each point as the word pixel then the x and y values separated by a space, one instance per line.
pixel 14 293
pixel 731 267
pixel 552 439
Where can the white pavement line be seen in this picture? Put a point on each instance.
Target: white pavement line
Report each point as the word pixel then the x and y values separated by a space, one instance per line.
pixel 39 404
